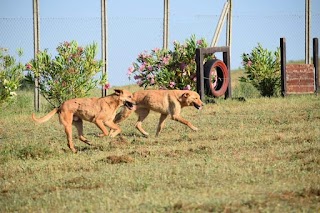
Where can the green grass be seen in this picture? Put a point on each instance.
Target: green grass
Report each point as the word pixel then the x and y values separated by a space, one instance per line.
pixel 261 155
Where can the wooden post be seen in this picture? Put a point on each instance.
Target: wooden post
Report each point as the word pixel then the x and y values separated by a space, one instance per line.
pixel 316 64
pixel 200 73
pixel 104 44
pixel 166 24
pixel 229 27
pixel 36 47
pixel 283 62
pixel 226 60
pixel 307 31
pixel 223 16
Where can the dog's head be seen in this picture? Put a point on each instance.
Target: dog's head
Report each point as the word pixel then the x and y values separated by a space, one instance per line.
pixel 191 98
pixel 126 97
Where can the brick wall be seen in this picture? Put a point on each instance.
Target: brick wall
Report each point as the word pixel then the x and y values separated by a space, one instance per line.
pixel 300 78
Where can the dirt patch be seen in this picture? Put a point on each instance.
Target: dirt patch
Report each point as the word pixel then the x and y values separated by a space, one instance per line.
pixel 201 150
pixel 142 153
pixel 176 153
pixel 113 159
pixel 192 207
pixel 81 183
pixel 119 142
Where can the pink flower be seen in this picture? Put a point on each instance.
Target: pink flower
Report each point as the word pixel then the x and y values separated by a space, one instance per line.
pixel 165 60
pixel 151 78
pixel 156 50
pixel 143 66
pixel 152 81
pixel 149 67
pixel 67 44
pixel 136 77
pixel 195 79
pixel 172 84
pixel 249 63
pixel 182 66
pixel 80 49
pixel 130 70
pixel 199 42
pixel 28 66
pixel 188 87
pixel 107 86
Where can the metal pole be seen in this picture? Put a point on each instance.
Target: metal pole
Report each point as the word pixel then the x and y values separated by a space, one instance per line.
pixel 36 47
pixel 307 31
pixel 166 24
pixel 104 44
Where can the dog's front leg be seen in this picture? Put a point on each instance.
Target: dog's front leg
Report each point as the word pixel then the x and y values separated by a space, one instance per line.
pixel 101 126
pixel 184 121
pixel 115 129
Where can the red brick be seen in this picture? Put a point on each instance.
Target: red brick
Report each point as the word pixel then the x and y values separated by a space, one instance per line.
pixel 300 82
pixel 300 89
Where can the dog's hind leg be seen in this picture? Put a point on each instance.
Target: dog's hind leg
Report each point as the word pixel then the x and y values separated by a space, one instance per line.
pixel 142 114
pixel 79 125
pixel 161 123
pixel 66 121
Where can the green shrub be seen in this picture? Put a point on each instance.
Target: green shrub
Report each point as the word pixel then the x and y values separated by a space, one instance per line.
pixel 11 75
pixel 262 70
pixel 169 69
pixel 68 75
pixel 244 89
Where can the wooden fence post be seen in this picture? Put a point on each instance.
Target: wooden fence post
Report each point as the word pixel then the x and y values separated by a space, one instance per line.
pixel 283 63
pixel 316 64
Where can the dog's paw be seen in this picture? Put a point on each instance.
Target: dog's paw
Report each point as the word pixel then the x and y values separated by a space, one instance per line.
pixel 102 135
pixel 194 128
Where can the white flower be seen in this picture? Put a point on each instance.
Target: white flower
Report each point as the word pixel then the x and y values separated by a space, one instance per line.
pixel 13 94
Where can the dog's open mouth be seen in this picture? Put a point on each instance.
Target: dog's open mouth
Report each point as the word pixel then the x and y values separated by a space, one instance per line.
pixel 128 104
pixel 196 106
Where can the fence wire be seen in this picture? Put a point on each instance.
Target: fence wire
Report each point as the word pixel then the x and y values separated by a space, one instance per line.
pixel 130 35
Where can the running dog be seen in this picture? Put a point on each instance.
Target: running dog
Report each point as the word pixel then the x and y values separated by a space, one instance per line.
pixel 100 111
pixel 166 102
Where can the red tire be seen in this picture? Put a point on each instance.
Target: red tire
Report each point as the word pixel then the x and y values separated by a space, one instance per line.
pixel 216 77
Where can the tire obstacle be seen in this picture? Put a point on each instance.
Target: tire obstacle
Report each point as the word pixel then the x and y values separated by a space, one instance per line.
pixel 213 77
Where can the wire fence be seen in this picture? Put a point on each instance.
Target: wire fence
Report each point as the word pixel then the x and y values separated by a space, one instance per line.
pixel 130 35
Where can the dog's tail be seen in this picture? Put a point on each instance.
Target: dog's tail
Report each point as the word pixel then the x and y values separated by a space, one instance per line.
pixel 46 117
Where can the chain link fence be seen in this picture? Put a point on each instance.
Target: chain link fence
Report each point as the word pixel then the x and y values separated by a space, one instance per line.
pixel 129 35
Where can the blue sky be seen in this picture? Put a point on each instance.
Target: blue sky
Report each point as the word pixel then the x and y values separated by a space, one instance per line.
pixel 136 26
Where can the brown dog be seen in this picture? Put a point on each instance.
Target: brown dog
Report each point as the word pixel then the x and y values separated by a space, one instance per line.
pixel 166 102
pixel 100 111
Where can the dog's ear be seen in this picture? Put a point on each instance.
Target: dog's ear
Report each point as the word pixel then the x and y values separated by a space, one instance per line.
pixel 118 91
pixel 186 95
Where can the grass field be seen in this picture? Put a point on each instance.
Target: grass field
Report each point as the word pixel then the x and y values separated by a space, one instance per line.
pixel 261 155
